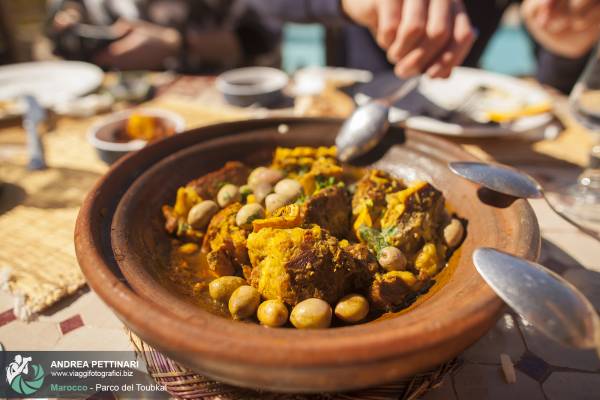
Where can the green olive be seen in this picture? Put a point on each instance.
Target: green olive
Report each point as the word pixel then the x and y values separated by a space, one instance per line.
pixel 245 190
pixel 221 288
pixel 200 215
pixel 249 213
pixel 454 232
pixel 275 201
pixel 352 308
pixel 289 188
pixel 264 174
pixel 272 313
pixel 392 259
pixel 243 302
pixel 311 314
pixel 255 174
pixel 228 194
pixel 261 190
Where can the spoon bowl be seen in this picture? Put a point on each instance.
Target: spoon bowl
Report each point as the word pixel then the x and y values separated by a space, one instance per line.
pixel 512 182
pixel 369 123
pixel 362 131
pixel 554 306
pixel 499 178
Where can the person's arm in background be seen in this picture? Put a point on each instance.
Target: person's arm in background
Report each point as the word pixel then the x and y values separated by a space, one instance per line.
pixel 139 44
pixel 569 28
pixel 144 46
pixel 566 30
pixel 419 36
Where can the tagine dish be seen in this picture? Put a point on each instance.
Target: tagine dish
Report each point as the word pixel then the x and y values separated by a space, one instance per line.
pixel 215 246
pixel 307 242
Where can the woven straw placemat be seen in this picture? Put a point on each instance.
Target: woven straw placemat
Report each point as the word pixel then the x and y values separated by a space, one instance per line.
pixel 38 209
pixel 183 383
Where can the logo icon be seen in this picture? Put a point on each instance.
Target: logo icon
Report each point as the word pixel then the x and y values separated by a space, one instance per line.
pixel 23 379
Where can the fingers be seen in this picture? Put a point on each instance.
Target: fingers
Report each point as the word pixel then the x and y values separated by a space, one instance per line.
pixel 117 53
pixel 121 27
pixel 548 14
pixel 463 37
pixel 411 30
pixel 587 21
pixel 543 11
pixel 389 14
pixel 559 18
pixel 438 32
pixel 66 19
pixel 581 6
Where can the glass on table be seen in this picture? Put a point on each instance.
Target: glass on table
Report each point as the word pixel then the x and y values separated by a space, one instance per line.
pixel 580 201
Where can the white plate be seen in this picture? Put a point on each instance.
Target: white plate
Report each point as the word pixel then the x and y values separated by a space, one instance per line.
pixel 50 82
pixel 449 93
pixel 312 80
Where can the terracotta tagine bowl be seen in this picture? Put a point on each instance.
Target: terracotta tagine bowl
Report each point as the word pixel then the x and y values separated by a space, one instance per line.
pixel 122 249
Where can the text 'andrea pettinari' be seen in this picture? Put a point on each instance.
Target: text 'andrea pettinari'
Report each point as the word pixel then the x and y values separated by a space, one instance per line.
pixel 94 364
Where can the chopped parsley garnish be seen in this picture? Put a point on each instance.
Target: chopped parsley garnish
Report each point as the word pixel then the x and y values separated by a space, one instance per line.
pixel 323 182
pixel 182 227
pixel 374 238
pixel 301 199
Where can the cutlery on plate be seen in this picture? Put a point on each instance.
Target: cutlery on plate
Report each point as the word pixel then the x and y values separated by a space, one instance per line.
pixel 368 124
pixel 550 303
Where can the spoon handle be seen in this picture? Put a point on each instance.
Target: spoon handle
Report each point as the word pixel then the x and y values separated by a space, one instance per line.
pixel 597 336
pixel 591 233
pixel 407 86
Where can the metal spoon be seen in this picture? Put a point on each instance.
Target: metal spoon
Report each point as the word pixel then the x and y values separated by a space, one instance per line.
pixel 368 123
pixel 33 117
pixel 554 306
pixel 512 182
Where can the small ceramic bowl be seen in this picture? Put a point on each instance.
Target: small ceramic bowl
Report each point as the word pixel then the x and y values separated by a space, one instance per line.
pixel 109 151
pixel 253 85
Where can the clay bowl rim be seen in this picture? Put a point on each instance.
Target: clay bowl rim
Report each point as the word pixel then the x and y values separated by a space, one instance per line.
pixel 127 303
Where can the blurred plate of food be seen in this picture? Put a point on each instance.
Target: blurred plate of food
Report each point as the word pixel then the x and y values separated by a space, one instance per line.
pixel 130 130
pixel 471 103
pixel 319 91
pixel 50 82
pixel 309 78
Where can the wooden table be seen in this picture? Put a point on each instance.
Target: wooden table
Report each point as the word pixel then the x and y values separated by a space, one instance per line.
pixel 545 370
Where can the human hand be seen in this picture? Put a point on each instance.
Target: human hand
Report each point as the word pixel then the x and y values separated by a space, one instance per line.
pixel 430 36
pixel 65 19
pixel 569 28
pixel 557 15
pixel 144 46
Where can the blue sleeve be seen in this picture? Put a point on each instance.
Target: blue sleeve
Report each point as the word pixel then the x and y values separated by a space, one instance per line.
pixel 323 11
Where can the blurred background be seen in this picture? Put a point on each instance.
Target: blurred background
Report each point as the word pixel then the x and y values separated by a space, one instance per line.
pixel 23 27
pixel 156 68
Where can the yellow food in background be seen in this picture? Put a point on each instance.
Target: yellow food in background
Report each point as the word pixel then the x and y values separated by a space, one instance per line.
pixel 141 126
pixel 147 127
pixel 526 111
